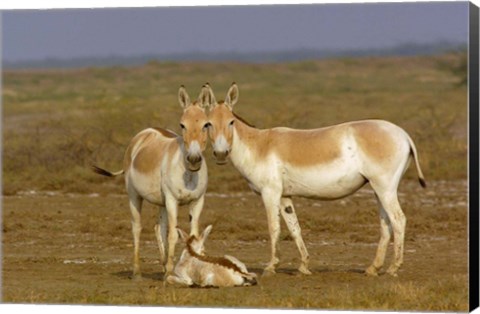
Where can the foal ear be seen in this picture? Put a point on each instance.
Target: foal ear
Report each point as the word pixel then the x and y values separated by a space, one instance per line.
pixel 232 96
pixel 182 234
pixel 206 97
pixel 205 233
pixel 183 98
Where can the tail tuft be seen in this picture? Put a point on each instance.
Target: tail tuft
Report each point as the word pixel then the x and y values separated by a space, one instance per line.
pixel 101 171
pixel 422 182
pixel 413 152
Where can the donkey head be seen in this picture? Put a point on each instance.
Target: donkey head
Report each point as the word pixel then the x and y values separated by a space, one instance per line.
pixel 194 124
pixel 221 119
pixel 195 245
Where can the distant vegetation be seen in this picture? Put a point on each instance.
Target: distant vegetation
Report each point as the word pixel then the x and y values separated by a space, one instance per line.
pixel 408 49
pixel 56 123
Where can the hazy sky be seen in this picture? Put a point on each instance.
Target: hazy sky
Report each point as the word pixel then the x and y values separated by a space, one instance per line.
pixel 37 34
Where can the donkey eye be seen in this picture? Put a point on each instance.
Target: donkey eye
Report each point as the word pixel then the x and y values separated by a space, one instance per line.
pixel 231 122
pixel 182 126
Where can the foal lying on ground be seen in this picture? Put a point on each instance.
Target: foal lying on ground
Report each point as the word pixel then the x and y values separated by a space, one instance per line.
pixel 196 269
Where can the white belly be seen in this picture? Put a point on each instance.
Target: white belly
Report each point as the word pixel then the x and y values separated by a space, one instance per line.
pixel 332 181
pixel 147 187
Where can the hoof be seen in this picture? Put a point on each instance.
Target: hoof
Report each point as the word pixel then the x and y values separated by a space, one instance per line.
pixel 392 272
pixel 169 280
pixel 304 270
pixel 268 272
pixel 371 271
pixel 162 268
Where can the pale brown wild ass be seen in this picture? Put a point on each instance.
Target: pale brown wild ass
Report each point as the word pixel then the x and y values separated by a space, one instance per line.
pixel 167 170
pixel 327 163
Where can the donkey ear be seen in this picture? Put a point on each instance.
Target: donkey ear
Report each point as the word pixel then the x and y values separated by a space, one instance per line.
pixel 205 233
pixel 182 234
pixel 183 98
pixel 232 96
pixel 206 97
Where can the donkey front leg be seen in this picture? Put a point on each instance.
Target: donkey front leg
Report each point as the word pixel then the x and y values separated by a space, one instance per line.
pixel 288 214
pixel 172 209
pixel 196 208
pixel 271 200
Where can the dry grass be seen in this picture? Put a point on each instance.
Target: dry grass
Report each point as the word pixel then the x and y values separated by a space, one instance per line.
pixel 58 122
pixel 77 249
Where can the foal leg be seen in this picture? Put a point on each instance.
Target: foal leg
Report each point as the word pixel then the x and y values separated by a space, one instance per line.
pixel 161 234
pixel 136 210
pixel 288 214
pixel 271 200
pixel 385 235
pixel 183 281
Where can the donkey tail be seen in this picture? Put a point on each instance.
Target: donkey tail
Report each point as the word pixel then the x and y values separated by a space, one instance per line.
pixel 106 173
pixel 413 152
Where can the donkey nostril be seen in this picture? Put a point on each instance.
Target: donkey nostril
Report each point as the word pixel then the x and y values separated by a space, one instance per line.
pixel 194 159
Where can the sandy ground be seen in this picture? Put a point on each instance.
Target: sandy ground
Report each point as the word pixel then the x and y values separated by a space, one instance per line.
pixel 73 248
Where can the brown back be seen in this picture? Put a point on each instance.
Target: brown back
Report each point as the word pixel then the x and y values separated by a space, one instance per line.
pixel 222 261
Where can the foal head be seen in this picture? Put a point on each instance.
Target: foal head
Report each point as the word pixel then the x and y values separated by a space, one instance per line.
pixel 195 245
pixel 221 119
pixel 194 124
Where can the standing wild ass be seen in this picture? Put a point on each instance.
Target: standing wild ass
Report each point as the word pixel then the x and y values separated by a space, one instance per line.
pixel 167 170
pixel 327 163
pixel 197 269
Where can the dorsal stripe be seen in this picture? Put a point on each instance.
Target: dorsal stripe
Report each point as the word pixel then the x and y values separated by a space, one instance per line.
pixel 222 261
pixel 166 132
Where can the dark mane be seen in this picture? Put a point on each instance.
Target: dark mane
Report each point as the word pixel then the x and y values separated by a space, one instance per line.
pixel 222 102
pixel 241 119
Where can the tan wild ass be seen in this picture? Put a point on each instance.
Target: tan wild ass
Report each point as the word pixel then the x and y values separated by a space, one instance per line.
pixel 327 163
pixel 167 170
pixel 197 269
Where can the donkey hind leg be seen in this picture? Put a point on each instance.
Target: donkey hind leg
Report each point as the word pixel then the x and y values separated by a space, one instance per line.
pixel 398 221
pixel 288 213
pixel 161 234
pixel 136 210
pixel 385 235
